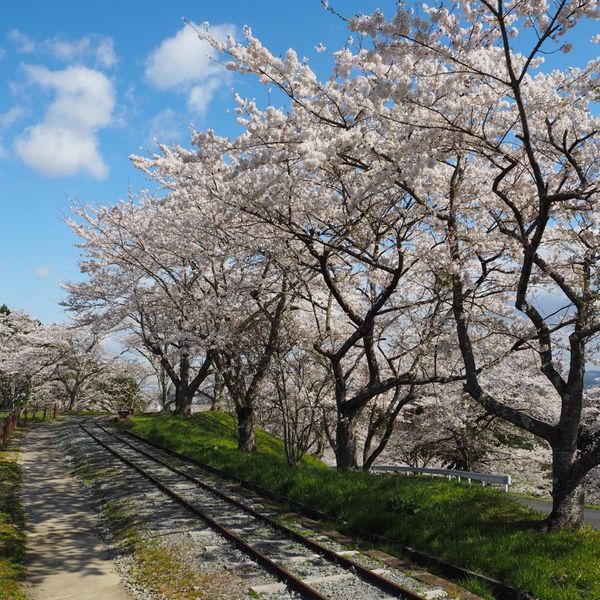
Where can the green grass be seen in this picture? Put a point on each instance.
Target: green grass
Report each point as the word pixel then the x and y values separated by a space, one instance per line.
pixel 12 535
pixel 471 526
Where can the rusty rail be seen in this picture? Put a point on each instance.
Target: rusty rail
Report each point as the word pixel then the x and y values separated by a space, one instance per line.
pixel 282 574
pixel 501 591
pixel 363 573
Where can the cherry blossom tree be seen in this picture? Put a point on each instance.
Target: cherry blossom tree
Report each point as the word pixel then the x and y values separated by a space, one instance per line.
pixel 420 210
pixel 47 364
pixel 75 357
pixel 249 290
pixel 348 242
pixel 140 282
pixel 193 288
pixel 450 106
pixel 534 138
pixel 244 366
pixel 298 390
pixel 16 377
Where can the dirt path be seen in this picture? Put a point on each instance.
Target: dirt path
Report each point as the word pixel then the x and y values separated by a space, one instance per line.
pixel 65 557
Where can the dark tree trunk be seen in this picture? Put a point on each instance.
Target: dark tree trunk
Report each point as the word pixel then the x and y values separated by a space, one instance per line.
pixel 183 401
pixel 388 421
pixel 346 449
pixel 183 394
pixel 219 388
pixel 245 397
pixel 72 400
pixel 246 429
pixel 567 495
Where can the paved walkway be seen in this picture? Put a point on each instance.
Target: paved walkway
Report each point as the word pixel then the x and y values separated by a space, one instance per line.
pixel 65 558
pixel 591 515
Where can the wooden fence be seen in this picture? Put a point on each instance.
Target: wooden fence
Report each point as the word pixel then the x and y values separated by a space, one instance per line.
pixel 8 426
pixel 10 422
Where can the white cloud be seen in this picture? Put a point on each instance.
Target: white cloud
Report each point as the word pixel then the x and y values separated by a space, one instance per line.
pixel 68 51
pixel 183 62
pixel 10 116
pixel 166 126
pixel 105 53
pixel 25 44
pixel 42 271
pixel 93 47
pixel 200 96
pixel 7 119
pixel 65 142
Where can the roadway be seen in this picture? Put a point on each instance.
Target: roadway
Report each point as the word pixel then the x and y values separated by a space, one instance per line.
pixel 591 515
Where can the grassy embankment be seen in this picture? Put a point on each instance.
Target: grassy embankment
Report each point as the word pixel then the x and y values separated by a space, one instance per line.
pixel 474 527
pixel 12 534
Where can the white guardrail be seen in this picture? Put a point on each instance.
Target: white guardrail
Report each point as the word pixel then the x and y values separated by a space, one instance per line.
pixel 504 480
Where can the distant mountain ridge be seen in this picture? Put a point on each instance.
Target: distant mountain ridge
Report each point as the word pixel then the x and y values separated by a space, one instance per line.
pixel 589 379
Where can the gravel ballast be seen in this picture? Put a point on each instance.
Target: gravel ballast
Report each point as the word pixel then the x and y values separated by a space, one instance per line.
pixel 164 552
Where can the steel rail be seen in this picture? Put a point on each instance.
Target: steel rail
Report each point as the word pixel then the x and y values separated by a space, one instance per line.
pixel 294 582
pixel 363 572
pixel 502 591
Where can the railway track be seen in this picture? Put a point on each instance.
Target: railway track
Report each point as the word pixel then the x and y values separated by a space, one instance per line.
pixel 279 549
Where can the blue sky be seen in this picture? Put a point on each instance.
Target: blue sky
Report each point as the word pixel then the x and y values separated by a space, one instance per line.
pixel 89 83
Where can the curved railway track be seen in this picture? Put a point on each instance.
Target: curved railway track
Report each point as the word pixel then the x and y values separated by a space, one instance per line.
pixel 223 513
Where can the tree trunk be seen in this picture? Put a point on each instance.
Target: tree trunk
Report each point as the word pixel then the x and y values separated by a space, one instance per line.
pixel 567 496
pixel 321 440
pixel 183 395
pixel 164 387
pixel 346 441
pixel 218 389
pixel 247 438
pixel 389 421
pixel 183 401
pixel 72 400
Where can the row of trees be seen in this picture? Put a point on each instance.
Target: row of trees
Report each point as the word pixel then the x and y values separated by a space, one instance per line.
pixel 41 365
pixel 423 223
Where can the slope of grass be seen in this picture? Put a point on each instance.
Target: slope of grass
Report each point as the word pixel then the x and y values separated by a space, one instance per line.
pixel 473 527
pixel 12 535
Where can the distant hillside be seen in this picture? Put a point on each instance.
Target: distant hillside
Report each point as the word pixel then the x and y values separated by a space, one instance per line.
pixel 590 377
